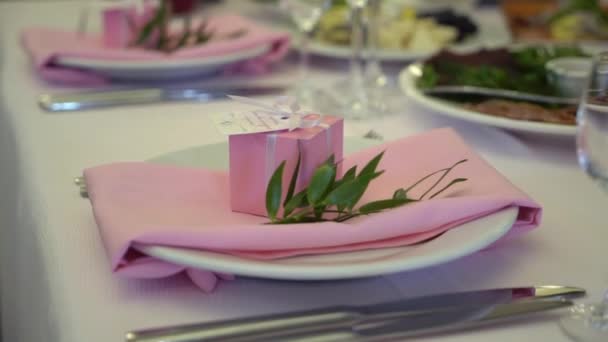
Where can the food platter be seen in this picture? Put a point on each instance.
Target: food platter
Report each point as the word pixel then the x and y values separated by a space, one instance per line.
pixel 407 82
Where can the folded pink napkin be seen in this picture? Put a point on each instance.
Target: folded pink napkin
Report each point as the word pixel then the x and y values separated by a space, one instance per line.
pixel 159 204
pixel 45 45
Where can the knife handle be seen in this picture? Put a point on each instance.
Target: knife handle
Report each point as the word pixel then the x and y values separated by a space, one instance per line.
pixel 270 327
pixel 89 100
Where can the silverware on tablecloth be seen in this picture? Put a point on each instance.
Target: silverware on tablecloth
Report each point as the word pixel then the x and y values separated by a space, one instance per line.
pixel 380 322
pixel 66 102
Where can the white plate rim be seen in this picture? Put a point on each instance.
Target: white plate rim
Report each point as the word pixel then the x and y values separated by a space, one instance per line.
pixel 164 64
pixel 230 264
pixel 499 224
pixel 408 87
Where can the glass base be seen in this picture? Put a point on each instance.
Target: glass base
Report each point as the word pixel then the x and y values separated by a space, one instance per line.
pixel 587 322
pixel 359 102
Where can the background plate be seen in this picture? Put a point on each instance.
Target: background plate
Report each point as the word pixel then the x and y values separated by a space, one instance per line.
pixel 460 241
pixel 407 82
pixel 161 69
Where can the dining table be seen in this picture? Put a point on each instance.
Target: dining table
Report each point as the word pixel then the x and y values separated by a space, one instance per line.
pixel 56 280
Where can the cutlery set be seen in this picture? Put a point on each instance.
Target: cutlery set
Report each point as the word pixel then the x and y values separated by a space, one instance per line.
pixel 75 101
pixel 390 321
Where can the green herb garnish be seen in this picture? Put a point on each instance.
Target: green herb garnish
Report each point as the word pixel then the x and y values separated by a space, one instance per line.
pixel 330 199
pixel 521 70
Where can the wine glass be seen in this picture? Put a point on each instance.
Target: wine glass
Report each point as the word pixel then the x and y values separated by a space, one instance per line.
pixel 305 14
pixel 589 321
pixel 377 83
pixel 362 94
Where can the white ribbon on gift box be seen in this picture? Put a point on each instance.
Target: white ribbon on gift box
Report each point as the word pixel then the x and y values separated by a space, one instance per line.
pixel 286 108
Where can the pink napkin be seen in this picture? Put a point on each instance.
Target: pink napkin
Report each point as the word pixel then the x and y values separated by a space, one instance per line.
pixel 44 45
pixel 159 204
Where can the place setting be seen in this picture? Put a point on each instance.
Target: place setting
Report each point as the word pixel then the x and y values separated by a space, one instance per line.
pixel 280 186
pixel 289 197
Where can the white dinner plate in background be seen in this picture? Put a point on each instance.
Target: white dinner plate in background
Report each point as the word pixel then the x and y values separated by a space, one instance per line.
pixel 164 69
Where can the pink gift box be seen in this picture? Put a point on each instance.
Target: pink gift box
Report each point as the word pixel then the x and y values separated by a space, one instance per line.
pixel 254 158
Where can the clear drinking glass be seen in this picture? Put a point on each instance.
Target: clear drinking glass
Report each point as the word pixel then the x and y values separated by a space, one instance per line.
pixel 588 322
pixel 305 14
pixel 363 94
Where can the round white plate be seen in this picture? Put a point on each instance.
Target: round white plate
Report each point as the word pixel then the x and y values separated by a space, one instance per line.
pixel 161 69
pixel 492 32
pixel 460 241
pixel 407 82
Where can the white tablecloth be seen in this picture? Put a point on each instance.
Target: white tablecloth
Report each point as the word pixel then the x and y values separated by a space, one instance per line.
pixel 56 279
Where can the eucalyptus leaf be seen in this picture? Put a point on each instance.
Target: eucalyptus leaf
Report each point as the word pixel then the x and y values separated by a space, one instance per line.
pixel 371 166
pixel 348 193
pixel 350 174
pixel 320 183
pixel 319 211
pixel 274 191
pixel 380 205
pixel 364 179
pixel 331 160
pixel 400 194
pixel 297 201
pixel 293 181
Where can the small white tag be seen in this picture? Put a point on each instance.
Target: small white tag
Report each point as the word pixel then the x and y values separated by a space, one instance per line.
pixel 248 122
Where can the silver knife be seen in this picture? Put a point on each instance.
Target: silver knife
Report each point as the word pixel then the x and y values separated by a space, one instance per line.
pixel 74 101
pixel 380 321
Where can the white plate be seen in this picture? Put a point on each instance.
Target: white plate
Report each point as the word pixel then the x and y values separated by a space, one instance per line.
pixel 492 32
pixel 460 241
pixel 407 82
pixel 161 69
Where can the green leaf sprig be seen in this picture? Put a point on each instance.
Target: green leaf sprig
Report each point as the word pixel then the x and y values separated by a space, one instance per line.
pixel 155 33
pixel 327 198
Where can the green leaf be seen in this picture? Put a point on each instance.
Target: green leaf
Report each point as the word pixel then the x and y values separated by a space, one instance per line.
pixel 293 181
pixel 149 27
pixel 371 166
pixel 273 192
pixel 457 180
pixel 350 174
pixel 297 201
pixel 348 193
pixel 400 194
pixel 320 183
pixel 330 161
pixel 319 211
pixel 365 179
pixel 376 206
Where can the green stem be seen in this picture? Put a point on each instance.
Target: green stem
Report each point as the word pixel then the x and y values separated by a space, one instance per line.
pixel 441 178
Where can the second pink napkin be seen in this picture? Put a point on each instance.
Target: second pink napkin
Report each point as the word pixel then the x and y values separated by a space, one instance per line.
pixel 45 45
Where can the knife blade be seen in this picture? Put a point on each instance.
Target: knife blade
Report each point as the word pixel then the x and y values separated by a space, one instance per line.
pixel 64 102
pixel 356 322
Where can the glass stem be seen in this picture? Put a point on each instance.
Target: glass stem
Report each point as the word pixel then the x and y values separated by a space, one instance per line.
pixel 356 61
pixel 373 71
pixel 304 57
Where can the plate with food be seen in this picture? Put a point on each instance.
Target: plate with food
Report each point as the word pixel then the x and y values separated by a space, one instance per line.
pixel 407 33
pixel 557 21
pixel 524 88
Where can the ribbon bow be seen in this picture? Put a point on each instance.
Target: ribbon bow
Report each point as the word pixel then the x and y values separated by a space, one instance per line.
pixel 285 108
